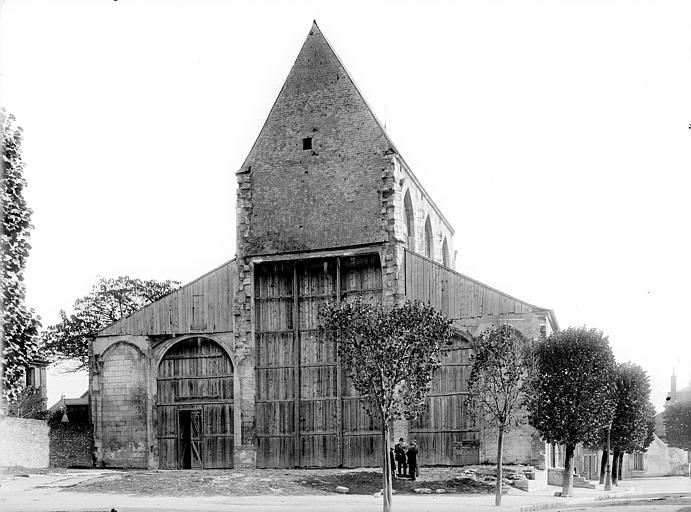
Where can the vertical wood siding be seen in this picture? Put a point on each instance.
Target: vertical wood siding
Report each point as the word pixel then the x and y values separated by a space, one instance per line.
pixel 457 296
pixel 204 305
pixel 445 432
pixel 307 413
pixel 361 277
pixel 276 356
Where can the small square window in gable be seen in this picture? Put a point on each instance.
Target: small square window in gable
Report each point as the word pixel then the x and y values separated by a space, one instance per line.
pixel 307 143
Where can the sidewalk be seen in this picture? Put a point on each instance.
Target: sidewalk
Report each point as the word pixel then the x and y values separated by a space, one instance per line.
pixel 628 489
pixel 50 492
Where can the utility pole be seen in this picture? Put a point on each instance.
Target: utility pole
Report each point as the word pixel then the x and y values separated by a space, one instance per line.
pixel 608 470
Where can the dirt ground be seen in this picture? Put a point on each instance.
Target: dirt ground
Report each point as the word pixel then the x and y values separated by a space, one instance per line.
pixel 296 482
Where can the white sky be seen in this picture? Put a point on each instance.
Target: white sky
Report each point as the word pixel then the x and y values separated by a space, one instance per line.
pixel 553 135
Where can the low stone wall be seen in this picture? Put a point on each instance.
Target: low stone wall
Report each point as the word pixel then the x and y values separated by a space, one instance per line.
pixel 71 445
pixel 535 482
pixel 521 446
pixel 555 476
pixel 24 443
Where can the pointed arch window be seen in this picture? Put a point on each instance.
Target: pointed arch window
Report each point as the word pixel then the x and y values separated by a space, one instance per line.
pixel 409 221
pixel 445 254
pixel 429 239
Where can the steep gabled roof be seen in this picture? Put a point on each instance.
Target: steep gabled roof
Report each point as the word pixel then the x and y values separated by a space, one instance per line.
pixel 323 192
pixel 316 39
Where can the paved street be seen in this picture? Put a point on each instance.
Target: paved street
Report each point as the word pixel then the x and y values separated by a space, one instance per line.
pixel 50 492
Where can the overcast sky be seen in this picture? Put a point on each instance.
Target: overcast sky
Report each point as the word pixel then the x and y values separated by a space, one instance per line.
pixel 553 135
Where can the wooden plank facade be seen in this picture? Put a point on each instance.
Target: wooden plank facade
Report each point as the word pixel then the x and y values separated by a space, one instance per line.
pixel 308 414
pixel 204 305
pixel 445 432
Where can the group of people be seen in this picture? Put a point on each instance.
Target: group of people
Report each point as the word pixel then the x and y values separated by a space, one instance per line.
pixel 404 457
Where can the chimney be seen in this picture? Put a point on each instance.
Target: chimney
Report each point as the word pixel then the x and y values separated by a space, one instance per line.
pixel 673 388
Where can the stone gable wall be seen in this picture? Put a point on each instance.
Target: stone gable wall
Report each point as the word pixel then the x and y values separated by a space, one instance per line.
pixel 325 197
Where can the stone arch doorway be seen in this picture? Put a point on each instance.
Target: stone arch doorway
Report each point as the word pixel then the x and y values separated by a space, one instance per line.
pixel 194 406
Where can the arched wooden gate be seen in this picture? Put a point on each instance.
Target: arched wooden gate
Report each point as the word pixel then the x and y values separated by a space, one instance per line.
pixel 195 406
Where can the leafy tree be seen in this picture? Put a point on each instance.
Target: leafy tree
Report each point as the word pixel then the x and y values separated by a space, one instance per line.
pixel 571 400
pixel 650 427
pixel 629 430
pixel 640 447
pixel 109 301
pixel 390 356
pixel 28 404
pixel 19 344
pixel 677 419
pixel 647 440
pixel 497 376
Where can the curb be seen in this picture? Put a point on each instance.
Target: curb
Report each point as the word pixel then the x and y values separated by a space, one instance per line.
pixel 577 501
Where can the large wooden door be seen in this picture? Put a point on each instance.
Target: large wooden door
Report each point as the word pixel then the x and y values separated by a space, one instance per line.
pixel 307 413
pixel 194 404
pixel 190 428
pixel 217 435
pixel 445 432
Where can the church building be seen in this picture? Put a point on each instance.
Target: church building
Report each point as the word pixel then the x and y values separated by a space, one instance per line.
pixel 227 371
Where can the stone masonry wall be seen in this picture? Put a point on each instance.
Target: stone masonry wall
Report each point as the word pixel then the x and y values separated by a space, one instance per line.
pixel 327 196
pixel 71 445
pixel 24 443
pixel 423 208
pixel 123 408
pixel 243 334
pixel 522 445
pixel 245 448
pixel 392 254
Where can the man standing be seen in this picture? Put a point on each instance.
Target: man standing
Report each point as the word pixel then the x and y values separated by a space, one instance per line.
pixel 401 458
pixel 412 460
